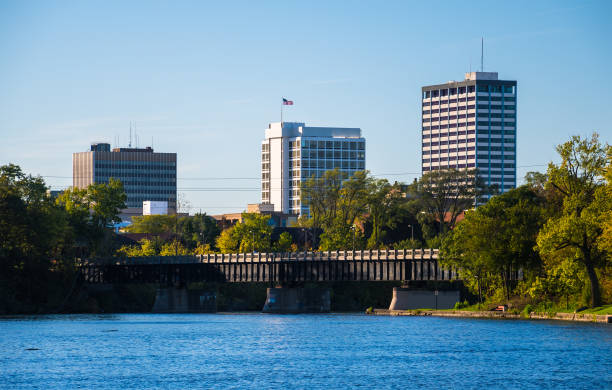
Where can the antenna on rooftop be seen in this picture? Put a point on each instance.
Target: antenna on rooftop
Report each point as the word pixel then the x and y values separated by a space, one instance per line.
pixel 130 144
pixel 482 54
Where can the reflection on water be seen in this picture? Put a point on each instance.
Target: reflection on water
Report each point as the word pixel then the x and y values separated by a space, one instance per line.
pixel 303 351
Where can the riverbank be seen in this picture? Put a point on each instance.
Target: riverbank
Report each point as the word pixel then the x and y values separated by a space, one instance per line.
pixel 605 319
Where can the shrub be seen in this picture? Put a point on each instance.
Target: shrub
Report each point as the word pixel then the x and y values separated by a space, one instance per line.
pixel 461 305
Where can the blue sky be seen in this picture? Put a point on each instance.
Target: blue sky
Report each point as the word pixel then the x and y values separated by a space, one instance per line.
pixel 205 78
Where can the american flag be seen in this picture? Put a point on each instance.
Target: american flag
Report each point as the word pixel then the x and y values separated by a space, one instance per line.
pixel 287 102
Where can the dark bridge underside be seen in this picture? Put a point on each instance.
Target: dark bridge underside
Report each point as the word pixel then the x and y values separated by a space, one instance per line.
pixel 278 271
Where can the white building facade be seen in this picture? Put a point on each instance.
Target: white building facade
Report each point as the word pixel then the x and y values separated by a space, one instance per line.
pixel 293 152
pixel 471 124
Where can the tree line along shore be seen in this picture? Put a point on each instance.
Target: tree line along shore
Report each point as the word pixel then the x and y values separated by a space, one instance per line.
pixel 556 229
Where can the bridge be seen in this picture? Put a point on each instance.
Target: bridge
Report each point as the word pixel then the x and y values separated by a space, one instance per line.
pixel 285 272
pixel 275 268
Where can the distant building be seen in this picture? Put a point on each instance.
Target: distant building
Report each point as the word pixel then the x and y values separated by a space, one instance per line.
pixel 277 219
pixel 471 124
pixel 260 208
pixel 53 194
pixel 154 207
pixel 293 152
pixel 146 175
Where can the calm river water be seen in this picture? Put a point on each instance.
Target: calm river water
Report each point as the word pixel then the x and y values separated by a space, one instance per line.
pixel 143 351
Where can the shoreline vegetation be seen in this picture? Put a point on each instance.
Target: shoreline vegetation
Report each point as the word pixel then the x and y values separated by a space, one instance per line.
pixel 507 315
pixel 555 230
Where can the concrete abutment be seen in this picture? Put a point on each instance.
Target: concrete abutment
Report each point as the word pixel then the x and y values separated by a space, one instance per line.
pixel 410 299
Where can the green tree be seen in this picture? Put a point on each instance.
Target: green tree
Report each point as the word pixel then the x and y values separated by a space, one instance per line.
pixel 573 234
pixel 191 230
pixel 228 241
pixel 322 196
pixel 106 201
pixel 444 195
pixel 90 212
pixel 145 247
pixel 203 249
pixel 605 240
pixel 152 224
pixel 284 243
pixel 497 238
pixel 33 238
pixel 336 203
pixel 198 229
pixel 252 234
pixel 560 279
pixel 384 207
pixel 173 248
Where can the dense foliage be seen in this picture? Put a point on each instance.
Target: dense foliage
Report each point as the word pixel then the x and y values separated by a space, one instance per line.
pixel 40 237
pixel 555 229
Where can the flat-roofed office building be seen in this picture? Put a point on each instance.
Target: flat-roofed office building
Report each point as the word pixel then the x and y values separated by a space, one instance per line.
pixel 145 174
pixel 471 124
pixel 293 152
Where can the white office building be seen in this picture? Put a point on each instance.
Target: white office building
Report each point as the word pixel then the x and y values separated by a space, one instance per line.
pixel 293 152
pixel 471 124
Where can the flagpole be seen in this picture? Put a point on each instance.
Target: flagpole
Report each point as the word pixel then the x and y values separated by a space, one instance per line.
pixel 281 114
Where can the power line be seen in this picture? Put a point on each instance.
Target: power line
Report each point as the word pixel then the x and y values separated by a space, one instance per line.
pixel 259 178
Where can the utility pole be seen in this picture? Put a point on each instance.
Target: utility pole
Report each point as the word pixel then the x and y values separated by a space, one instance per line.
pixel 252 241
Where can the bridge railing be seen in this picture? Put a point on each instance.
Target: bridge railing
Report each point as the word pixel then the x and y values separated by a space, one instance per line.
pixel 262 257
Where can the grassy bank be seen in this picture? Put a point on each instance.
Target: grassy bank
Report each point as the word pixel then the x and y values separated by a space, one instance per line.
pixel 577 317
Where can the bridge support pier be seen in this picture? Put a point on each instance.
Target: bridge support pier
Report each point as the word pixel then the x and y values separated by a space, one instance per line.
pixel 285 300
pixel 181 300
pixel 410 299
